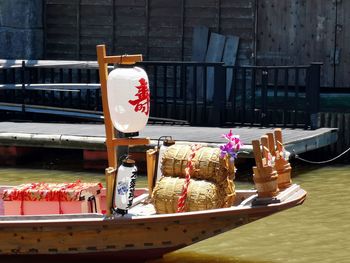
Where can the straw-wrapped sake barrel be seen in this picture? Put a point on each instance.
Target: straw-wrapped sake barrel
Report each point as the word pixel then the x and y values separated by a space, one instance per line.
pixel 201 195
pixel 207 164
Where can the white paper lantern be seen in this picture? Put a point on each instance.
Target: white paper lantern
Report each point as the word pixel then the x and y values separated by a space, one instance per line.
pixel 128 98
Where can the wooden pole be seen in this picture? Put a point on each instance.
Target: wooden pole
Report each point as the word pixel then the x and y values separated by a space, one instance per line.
pixel 109 129
pixel 151 165
pixel 110 135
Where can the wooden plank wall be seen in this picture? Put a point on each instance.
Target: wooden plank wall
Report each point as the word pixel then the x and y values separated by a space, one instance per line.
pixel 159 29
pixel 342 51
pixel 294 32
pixel 60 29
pixel 165 29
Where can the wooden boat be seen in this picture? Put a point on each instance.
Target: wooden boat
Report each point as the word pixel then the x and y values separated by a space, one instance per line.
pixel 142 233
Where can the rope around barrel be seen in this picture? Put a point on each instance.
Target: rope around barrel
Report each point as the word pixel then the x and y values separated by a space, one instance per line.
pixel 188 170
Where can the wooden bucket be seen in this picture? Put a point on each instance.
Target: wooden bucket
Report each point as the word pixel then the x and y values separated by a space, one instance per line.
pixel 284 178
pixel 266 186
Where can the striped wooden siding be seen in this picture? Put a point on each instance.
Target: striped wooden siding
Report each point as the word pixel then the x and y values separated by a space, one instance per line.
pixel 294 32
pixel 130 27
pixel 238 18
pixel 61 29
pixel 199 13
pixel 159 29
pixel 95 26
pixel 165 30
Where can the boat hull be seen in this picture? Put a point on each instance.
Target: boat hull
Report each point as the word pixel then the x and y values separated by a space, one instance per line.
pixel 133 237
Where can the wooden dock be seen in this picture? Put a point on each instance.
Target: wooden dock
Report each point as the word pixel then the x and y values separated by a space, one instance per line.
pixel 92 136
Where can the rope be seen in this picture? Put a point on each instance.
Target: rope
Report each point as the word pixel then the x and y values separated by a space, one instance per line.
pixel 322 162
pixel 188 171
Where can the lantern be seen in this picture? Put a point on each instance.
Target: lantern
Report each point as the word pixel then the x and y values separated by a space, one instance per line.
pixel 128 98
pixel 125 186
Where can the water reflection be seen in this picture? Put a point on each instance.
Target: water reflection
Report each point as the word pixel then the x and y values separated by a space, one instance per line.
pixel 317 231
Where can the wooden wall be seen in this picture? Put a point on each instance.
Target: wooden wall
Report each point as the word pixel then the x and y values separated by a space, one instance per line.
pixel 159 29
pixel 271 32
pixel 292 32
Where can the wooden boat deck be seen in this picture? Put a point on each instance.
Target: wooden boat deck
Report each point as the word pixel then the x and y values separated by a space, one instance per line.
pixel 92 136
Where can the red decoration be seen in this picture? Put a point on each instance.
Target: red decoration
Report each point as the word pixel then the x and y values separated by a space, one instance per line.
pixel 142 103
pixel 188 170
pixel 49 191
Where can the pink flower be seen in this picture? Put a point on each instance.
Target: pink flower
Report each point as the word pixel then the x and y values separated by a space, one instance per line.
pixel 231 148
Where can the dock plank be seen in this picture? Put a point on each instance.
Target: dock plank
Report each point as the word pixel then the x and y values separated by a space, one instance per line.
pixel 92 136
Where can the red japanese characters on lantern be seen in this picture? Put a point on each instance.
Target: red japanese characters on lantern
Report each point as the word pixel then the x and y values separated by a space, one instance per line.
pixel 142 101
pixel 128 98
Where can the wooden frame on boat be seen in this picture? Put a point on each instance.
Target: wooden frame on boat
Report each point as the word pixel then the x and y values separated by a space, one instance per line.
pixel 112 140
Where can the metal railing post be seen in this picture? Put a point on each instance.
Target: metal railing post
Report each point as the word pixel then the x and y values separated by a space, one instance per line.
pixel 23 91
pixel 313 94
pixel 219 101
pixel 264 97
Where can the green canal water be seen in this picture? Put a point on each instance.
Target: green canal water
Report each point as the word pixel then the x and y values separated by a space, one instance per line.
pixel 317 231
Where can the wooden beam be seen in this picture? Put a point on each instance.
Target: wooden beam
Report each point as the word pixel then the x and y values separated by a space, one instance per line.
pixel 130 141
pixel 123 59
pixel 110 133
pixel 110 173
pixel 151 165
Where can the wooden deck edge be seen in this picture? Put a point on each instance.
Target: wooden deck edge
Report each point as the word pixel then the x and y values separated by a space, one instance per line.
pixel 96 143
pixel 313 142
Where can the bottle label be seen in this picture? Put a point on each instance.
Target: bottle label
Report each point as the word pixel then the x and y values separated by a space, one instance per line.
pixel 122 188
pixel 132 187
